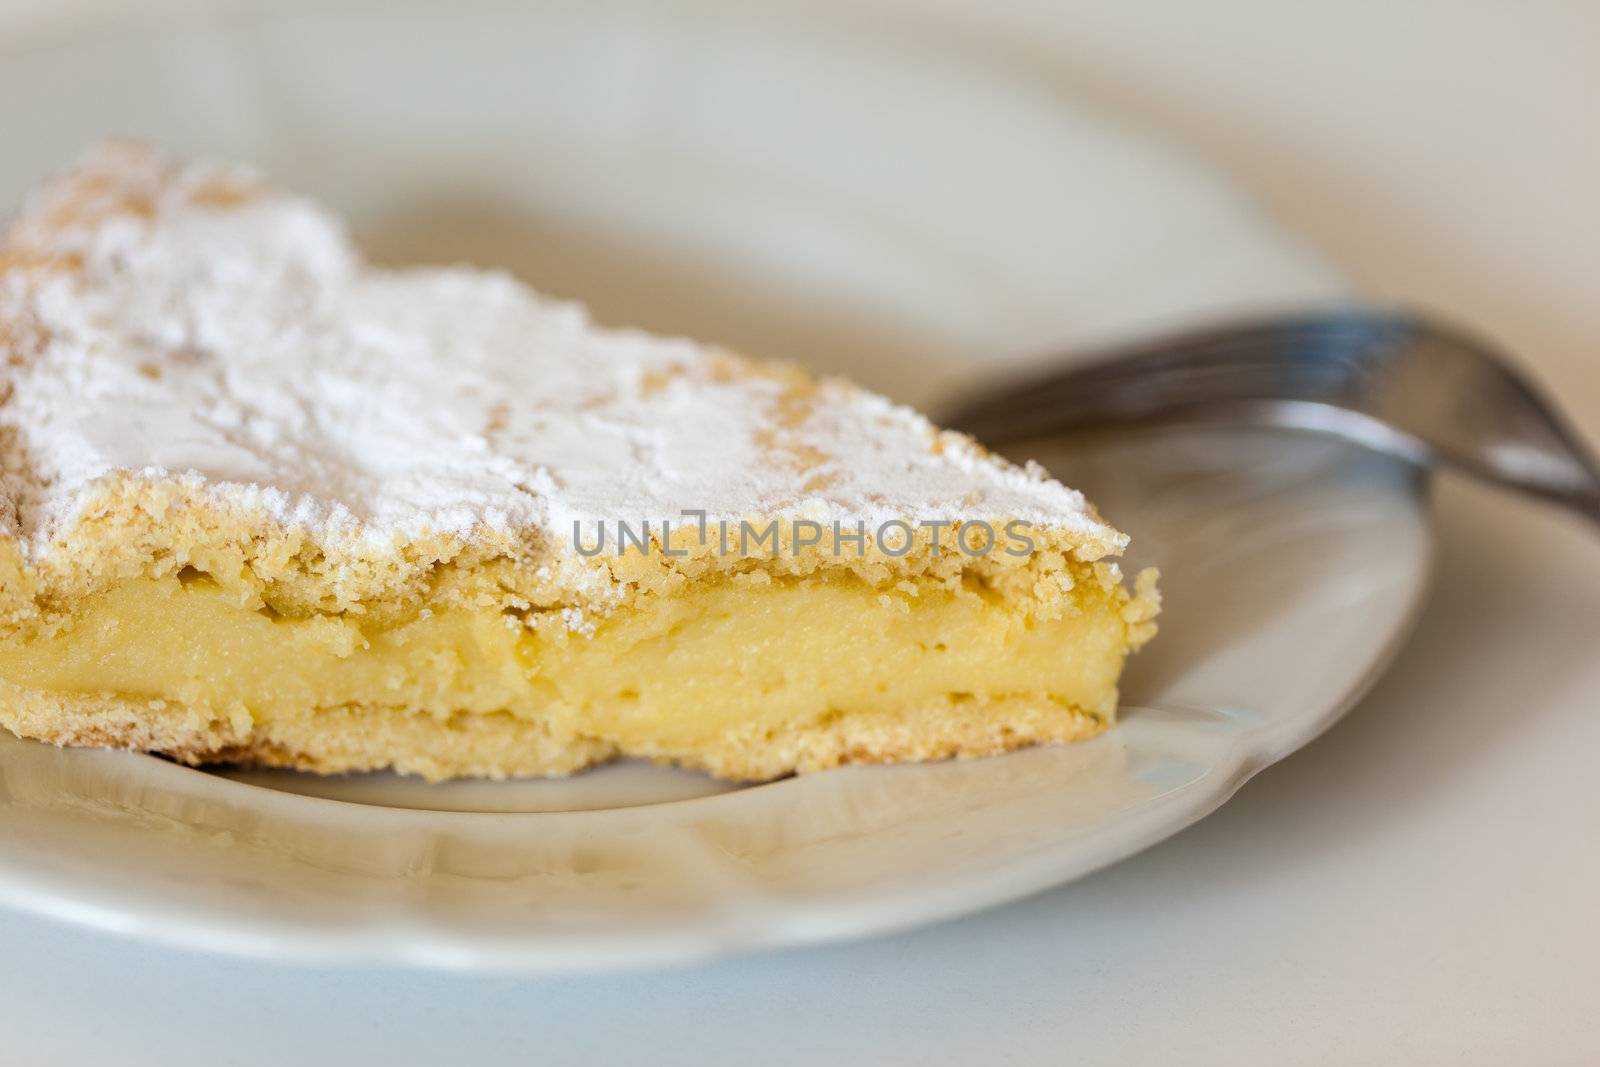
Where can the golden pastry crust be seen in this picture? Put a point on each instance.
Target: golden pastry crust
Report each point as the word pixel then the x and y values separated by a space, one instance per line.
pixel 347 739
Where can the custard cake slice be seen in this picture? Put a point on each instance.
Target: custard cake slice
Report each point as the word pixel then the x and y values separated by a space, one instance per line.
pixel 265 503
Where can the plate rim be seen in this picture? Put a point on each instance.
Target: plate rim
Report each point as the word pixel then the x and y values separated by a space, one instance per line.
pixel 768 926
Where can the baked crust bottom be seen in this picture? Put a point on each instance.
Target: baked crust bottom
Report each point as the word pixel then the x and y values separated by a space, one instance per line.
pixel 502 745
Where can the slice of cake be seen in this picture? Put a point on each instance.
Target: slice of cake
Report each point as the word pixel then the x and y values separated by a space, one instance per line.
pixel 264 503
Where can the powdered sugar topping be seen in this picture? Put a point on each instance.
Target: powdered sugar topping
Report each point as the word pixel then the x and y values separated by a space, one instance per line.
pixel 186 320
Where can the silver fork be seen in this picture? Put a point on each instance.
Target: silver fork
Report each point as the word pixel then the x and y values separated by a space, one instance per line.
pixel 1390 381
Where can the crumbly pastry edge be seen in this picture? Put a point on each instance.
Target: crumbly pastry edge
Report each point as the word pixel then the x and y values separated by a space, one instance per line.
pixel 148 525
pixel 501 745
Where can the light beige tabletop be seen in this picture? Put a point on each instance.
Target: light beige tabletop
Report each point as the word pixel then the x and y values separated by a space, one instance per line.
pixel 1345 907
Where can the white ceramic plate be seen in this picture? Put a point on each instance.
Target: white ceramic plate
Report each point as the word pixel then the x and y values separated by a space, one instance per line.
pixel 875 205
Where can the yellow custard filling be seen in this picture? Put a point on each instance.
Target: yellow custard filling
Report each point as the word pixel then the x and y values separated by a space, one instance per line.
pixel 718 675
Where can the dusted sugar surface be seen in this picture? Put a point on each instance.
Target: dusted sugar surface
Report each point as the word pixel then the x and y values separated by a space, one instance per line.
pixel 167 319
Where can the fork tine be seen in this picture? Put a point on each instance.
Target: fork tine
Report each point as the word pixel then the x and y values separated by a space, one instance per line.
pixel 1383 380
pixel 1310 358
